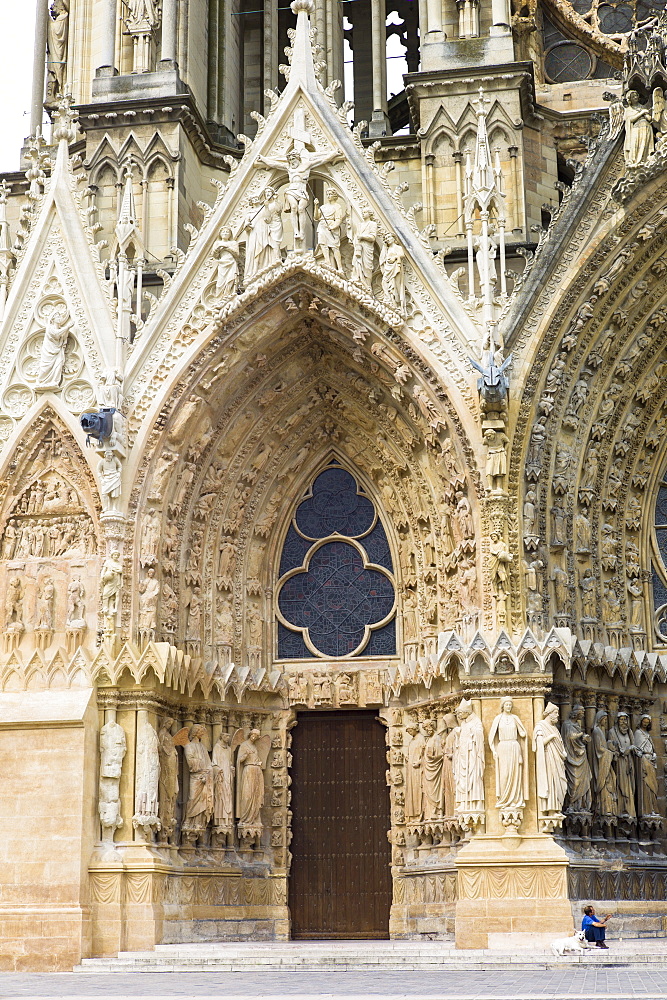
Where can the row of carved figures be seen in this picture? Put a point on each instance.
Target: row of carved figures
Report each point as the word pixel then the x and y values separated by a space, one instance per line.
pixel 49 537
pixel 225 787
pixel 613 783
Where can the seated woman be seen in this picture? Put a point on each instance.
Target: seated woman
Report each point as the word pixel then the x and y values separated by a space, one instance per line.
pixel 593 928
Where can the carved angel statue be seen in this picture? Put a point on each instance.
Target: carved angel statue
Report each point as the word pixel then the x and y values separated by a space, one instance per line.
pixel 508 742
pixel 298 163
pixel 638 144
pixel 52 352
pixel 199 808
pixel 250 763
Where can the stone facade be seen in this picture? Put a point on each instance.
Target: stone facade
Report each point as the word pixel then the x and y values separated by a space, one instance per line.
pixel 330 418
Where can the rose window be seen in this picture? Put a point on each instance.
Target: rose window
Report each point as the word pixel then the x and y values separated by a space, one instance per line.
pixel 336 593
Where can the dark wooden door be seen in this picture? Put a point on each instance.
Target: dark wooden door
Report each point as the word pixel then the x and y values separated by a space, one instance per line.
pixel 340 883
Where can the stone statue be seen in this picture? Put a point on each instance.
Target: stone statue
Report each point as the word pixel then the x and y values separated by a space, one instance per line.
pixel 223 791
pixel 264 229
pixel 250 764
pixel 638 144
pixel 329 218
pixel 52 353
pixel 606 799
pixel 550 759
pixel 450 749
pixel 496 457
pixel 647 772
pixel 141 14
pixel 508 742
pixel 298 163
pixel 76 609
pixel 111 579
pixel 363 242
pixel 14 601
pixel 499 559
pixel 146 785
pixel 577 768
pixel 110 471
pixel 469 767
pixel 44 606
pixel 112 752
pixel 199 808
pixel 226 250
pixel 587 586
pixel 620 740
pixel 149 591
pixel 57 37
pixel 393 272
pixel 150 538
pixel 168 782
pixel 432 765
pixel 413 775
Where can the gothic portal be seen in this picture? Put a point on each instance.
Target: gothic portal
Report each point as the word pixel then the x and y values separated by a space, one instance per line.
pixel 333 472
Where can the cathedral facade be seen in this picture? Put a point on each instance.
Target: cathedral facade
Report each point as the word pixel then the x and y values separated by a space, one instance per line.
pixel 333 490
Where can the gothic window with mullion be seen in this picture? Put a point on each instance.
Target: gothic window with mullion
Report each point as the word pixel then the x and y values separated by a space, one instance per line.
pixel 659 569
pixel 336 596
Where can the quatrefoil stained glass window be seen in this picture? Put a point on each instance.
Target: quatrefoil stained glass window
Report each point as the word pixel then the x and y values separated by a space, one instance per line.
pixel 336 592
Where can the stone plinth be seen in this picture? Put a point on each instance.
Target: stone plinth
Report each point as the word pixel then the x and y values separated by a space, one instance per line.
pixel 511 890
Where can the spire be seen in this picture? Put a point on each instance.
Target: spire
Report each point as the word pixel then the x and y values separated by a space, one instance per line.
pixel 127 230
pixel 302 65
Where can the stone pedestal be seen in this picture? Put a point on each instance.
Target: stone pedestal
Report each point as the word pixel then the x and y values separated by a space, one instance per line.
pixel 512 893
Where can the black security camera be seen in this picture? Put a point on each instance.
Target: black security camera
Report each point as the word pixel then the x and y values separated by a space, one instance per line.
pixel 98 425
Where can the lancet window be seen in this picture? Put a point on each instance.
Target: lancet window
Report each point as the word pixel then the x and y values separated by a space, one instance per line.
pixel 336 594
pixel 660 562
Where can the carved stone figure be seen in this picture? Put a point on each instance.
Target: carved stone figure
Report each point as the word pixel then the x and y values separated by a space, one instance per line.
pixel 550 757
pixel 264 234
pixel 57 38
pixel 638 144
pixel 199 808
pixel 606 804
pixel 469 767
pixel 636 616
pixel 149 591
pixel 588 588
pixel 223 792
pixel 364 239
pixel 582 533
pixel 111 578
pixel 330 217
pixel 529 514
pixel 150 538
pixel 147 779
pixel 393 273
pixel 647 772
pixel 432 766
pixel 577 768
pixel 561 588
pixel 499 559
pixel 250 763
pixel 226 250
pixel 450 750
pixel 508 742
pixel 52 354
pixel 413 775
pixel 496 457
pixel 76 609
pixel 113 746
pixel 168 782
pixel 44 606
pixel 620 740
pixel 298 163
pixel 110 471
pixel 14 601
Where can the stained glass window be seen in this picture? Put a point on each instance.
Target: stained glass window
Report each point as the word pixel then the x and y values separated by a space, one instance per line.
pixel 336 594
pixel 659 574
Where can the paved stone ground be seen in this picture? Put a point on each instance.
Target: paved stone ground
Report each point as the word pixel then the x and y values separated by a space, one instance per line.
pixel 572 983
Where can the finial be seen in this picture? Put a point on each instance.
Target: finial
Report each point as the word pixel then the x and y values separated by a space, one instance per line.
pixel 307 6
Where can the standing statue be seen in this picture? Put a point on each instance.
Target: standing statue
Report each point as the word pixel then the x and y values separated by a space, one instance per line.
pixel 298 163
pixel 499 559
pixel 606 798
pixel 638 144
pixel 508 742
pixel 363 243
pixel 577 768
pixel 469 767
pixel 14 601
pixel 329 218
pixel 57 37
pixel 393 272
pixel 226 249
pixel 168 783
pixel 264 230
pixel 432 767
pixel 110 471
pixel 149 591
pixel 223 790
pixel 496 457
pixel 111 578
pixel 647 772
pixel 250 763
pixel 146 786
pixel 44 606
pixel 199 808
pixel 52 353
pixel 112 752
pixel 550 759
pixel 620 740
pixel 450 751
pixel 76 609
pixel 141 13
pixel 413 775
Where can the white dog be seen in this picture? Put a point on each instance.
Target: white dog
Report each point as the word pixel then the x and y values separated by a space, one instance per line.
pixel 577 942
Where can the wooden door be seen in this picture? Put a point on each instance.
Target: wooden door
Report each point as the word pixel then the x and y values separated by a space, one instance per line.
pixel 340 883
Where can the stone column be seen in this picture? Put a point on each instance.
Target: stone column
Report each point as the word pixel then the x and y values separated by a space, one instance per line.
pixel 107 65
pixel 169 28
pixel 379 123
pixel 39 66
pixel 501 17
